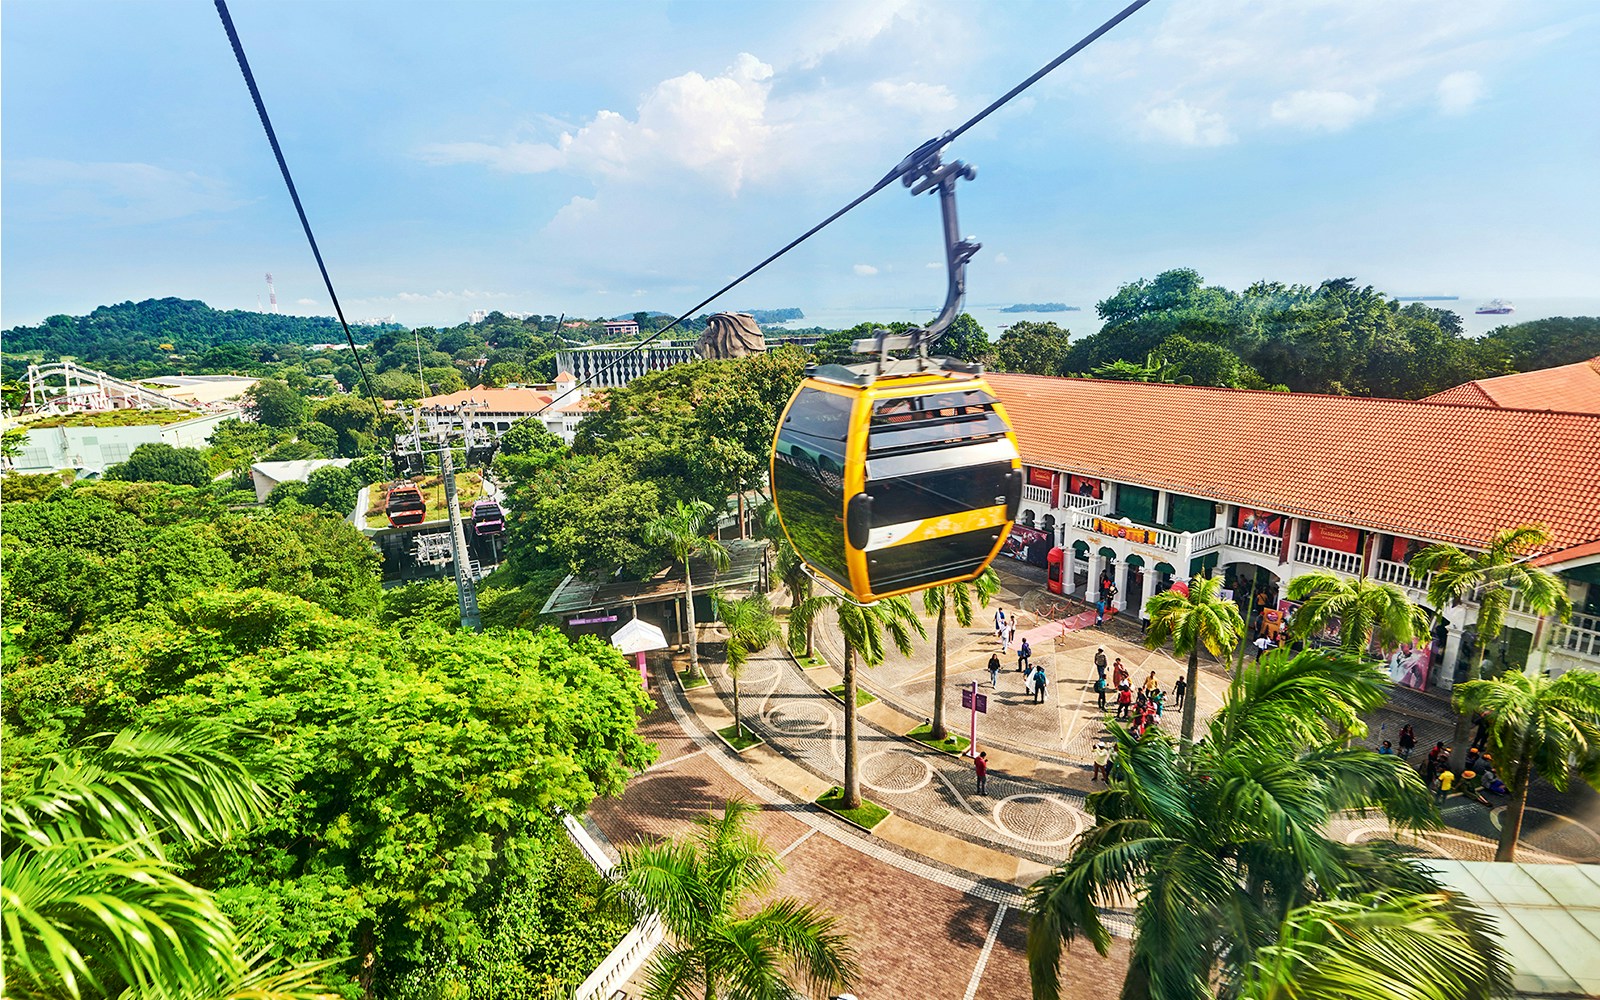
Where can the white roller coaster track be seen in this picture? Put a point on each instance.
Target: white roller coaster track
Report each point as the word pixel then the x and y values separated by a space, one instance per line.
pixel 108 391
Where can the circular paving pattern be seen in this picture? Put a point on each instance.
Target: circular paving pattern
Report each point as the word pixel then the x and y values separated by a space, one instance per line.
pixel 1040 820
pixel 895 771
pixel 1554 833
pixel 799 718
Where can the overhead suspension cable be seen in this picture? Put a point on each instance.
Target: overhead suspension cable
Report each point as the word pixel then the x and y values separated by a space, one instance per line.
pixel 905 166
pixel 283 166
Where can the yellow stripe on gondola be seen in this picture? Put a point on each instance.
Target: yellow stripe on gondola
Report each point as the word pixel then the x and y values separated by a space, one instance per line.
pixel 939 527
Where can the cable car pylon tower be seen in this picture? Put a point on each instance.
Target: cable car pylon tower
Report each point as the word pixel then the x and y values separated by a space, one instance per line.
pixel 410 459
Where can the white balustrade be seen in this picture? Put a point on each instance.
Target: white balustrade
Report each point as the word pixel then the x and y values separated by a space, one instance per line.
pixel 1583 642
pixel 636 946
pixel 1340 562
pixel 1036 494
pixel 1399 574
pixel 1076 501
pixel 1255 541
pixel 1201 541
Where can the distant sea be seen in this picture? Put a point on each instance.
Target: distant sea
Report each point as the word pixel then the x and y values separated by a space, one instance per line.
pixel 1084 321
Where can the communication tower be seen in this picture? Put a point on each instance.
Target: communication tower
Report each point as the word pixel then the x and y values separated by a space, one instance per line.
pixel 272 293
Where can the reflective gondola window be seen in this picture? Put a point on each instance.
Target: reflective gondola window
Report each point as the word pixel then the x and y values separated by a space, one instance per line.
pixel 808 477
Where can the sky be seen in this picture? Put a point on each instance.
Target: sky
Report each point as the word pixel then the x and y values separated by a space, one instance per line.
pixel 606 157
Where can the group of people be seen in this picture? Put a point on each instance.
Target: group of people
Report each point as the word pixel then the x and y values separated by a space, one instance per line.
pixel 1144 707
pixel 1035 681
pixel 1477 775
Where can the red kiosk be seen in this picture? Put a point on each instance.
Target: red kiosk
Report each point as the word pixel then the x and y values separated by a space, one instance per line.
pixel 1055 564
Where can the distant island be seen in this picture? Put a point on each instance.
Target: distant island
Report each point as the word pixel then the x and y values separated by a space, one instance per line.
pixel 775 315
pixel 1040 307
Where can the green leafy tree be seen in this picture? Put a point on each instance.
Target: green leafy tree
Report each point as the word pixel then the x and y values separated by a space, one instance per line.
pixel 158 462
pixel 1154 369
pixel 1544 343
pixel 792 571
pixel 353 418
pixel 1365 610
pixel 1536 726
pixel 12 442
pixel 397 384
pixel 332 488
pixel 727 939
pixel 684 530
pixel 1224 855
pixel 287 492
pixel 1032 348
pixel 504 373
pixel 965 339
pixel 1490 577
pixel 751 628
pixel 369 469
pixel 319 436
pixel 940 602
pixel 1199 618
pixel 863 628
pixel 94 904
pixel 443 380
pixel 275 404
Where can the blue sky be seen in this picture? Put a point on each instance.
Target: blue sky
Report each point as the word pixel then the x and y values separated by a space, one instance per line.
pixel 600 158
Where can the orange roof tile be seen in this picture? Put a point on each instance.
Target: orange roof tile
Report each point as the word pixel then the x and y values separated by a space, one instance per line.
pixel 492 400
pixel 1575 388
pixel 1563 556
pixel 566 377
pixel 1445 472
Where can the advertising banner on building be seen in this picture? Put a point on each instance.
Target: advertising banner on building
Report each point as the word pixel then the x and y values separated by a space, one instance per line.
pixel 1410 665
pixel 1040 477
pixel 1082 486
pixel 1116 530
pixel 1029 545
pixel 1334 536
pixel 1261 522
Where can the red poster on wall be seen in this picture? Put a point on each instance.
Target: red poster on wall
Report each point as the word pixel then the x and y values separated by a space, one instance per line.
pixel 1040 477
pixel 1083 486
pixel 1334 536
pixel 1262 522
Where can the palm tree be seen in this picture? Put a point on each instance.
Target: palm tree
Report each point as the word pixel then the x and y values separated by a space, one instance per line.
pixel 791 570
pixel 751 628
pixel 1365 610
pixel 1536 725
pixel 683 530
pixel 1199 618
pixel 940 601
pixel 862 626
pixel 1371 948
pixel 1491 576
pixel 92 902
pixel 1219 849
pixel 703 889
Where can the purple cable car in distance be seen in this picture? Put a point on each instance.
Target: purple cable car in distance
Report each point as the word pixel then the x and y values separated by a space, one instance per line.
pixel 487 518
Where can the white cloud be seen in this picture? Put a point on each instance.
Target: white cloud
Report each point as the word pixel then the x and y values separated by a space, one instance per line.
pixel 1001 258
pixel 1188 125
pixel 465 295
pixel 865 270
pixel 860 24
pixel 714 126
pixel 306 302
pixel 1326 110
pixel 1459 91
pixel 934 266
pixel 919 97
pixel 116 193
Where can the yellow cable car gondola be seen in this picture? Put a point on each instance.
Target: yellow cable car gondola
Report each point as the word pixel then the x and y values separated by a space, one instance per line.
pixel 900 474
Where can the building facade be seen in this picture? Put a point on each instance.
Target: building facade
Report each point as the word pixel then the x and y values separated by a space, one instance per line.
pixel 89 451
pixel 1144 484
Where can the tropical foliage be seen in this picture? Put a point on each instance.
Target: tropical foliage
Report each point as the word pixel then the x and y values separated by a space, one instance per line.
pixel 862 628
pixel 1537 726
pixel 1192 620
pixel 751 628
pixel 941 602
pixel 727 940
pixel 684 531
pixel 1490 578
pixel 1366 611
pixel 1223 855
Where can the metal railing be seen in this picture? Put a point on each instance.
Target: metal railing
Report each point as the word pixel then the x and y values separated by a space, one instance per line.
pixel 1254 541
pixel 1339 562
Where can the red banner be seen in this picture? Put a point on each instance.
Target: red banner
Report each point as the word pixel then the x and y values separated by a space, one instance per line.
pixel 1334 536
pixel 1083 486
pixel 1040 477
pixel 1261 522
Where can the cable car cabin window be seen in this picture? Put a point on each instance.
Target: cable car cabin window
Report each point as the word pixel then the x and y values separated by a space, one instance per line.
pixel 939 418
pixel 808 477
pixel 921 563
pixel 936 492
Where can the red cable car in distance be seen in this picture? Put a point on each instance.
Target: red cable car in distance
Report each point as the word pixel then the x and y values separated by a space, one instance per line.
pixel 404 505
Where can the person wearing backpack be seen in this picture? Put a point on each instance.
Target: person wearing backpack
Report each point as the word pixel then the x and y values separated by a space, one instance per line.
pixel 1100 692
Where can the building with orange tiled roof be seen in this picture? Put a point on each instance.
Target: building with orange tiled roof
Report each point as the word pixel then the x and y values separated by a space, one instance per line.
pixel 1574 388
pixel 1140 484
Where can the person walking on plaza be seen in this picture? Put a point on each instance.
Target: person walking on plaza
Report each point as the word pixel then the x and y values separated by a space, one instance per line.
pixel 1262 645
pixel 1100 662
pixel 1442 786
pixel 1439 751
pixel 1100 692
pixel 1024 654
pixel 1119 673
pixel 1041 681
pixel 1102 763
pixel 1178 690
pixel 1408 741
pixel 1124 701
pixel 1160 699
pixel 980 767
pixel 994 671
pixel 999 623
pixel 1011 632
pixel 1028 681
pixel 1151 685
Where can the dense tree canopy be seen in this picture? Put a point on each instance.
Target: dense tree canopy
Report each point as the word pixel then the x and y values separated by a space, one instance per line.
pixel 162 463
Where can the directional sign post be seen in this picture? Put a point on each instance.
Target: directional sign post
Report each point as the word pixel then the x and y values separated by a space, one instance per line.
pixel 970 698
